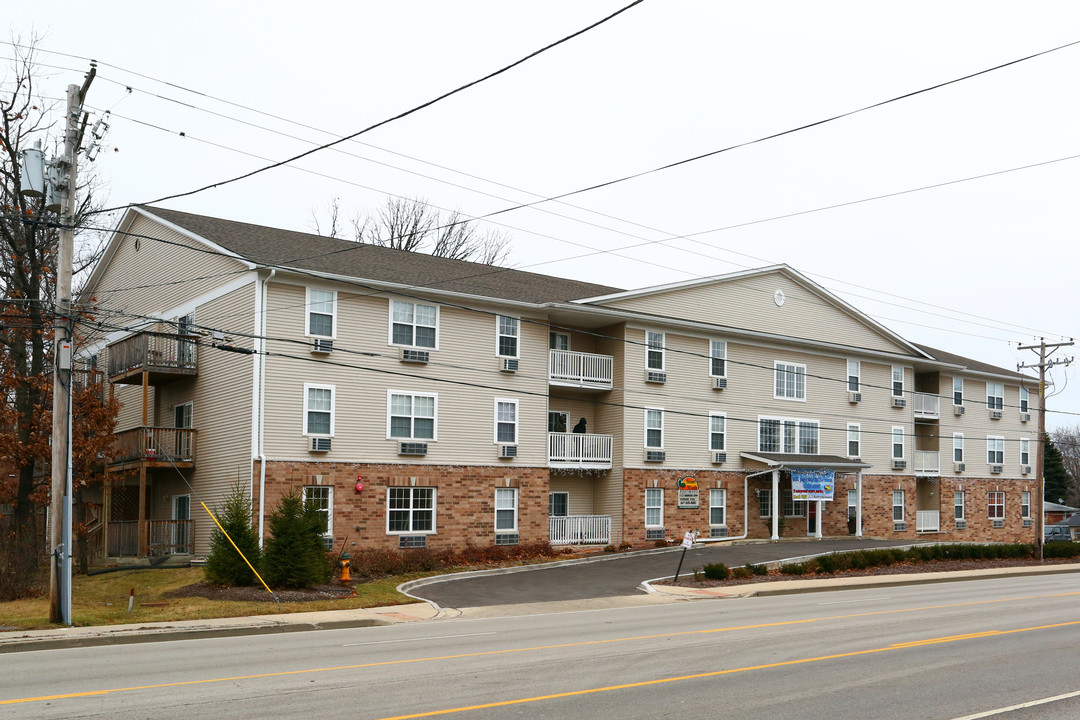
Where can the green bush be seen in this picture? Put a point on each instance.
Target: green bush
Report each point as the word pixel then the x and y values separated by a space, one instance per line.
pixel 716 571
pixel 741 573
pixel 295 556
pixel 794 569
pixel 1061 549
pixel 758 569
pixel 224 565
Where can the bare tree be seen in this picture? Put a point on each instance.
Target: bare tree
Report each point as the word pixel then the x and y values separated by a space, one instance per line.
pixel 1067 441
pixel 414 225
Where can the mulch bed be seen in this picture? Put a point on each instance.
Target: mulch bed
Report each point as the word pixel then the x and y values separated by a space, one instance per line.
pixel 688 580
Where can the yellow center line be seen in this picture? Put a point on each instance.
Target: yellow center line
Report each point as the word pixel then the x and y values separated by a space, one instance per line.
pixel 537 648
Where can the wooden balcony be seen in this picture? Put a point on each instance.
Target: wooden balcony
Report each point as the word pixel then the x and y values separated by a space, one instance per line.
pixel 580 450
pixel 581 370
pixel 164 356
pixel 155 447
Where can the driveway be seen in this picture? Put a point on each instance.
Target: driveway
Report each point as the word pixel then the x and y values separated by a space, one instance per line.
pixel 615 575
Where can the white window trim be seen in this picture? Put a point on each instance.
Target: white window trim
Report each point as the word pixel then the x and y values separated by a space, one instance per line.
pixel 566 419
pixel 995 386
pixel 414 303
pixel 551 496
pixel 902 505
pixel 434 511
pixel 992 441
pixel 799 422
pixel 659 491
pixel 959 495
pixel 499 334
pixel 713 356
pixel 857 427
pixel 711 433
pixel 764 496
pixel 722 494
pixel 413 394
pixel 857 375
pixel 960 437
pixel 329 509
pixel 960 380
pixel 1025 399
pixel 333 407
pixel 662 350
pixel 892 381
pixel 333 313
pixel 797 367
pixel 892 443
pixel 495 421
pixel 495 518
pixel 1025 514
pixel 989 504
pixel 191 413
pixel 1025 449
pixel 645 422
pixel 559 334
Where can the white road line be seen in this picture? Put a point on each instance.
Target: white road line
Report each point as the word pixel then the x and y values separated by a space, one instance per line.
pixel 848 602
pixel 1021 706
pixel 433 637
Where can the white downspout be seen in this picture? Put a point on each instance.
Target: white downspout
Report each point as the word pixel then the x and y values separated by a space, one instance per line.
pixel 745 511
pixel 858 504
pixel 261 405
pixel 775 504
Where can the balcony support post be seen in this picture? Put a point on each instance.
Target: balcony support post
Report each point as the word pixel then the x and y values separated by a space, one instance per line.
pixel 143 543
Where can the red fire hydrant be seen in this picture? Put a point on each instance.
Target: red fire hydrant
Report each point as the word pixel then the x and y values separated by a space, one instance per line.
pixel 345 577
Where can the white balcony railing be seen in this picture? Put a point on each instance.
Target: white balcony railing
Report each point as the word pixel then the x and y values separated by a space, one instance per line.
pixel 579 450
pixel 927 462
pixel 927 405
pixel 579 530
pixel 578 369
pixel 927 520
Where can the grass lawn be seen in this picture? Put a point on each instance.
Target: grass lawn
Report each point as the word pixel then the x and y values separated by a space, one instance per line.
pixel 103 600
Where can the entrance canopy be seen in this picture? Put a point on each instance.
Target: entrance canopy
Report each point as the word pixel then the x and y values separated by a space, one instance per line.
pixel 793 460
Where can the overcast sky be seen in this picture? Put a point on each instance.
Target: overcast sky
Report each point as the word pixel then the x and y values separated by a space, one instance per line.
pixel 973 267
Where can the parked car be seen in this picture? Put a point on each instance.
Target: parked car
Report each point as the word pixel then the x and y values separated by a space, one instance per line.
pixel 1055 533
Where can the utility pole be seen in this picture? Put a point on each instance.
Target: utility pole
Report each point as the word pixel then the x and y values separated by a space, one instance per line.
pixel 64 174
pixel 1040 480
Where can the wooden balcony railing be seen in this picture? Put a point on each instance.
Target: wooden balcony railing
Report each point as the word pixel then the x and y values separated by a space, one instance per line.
pixel 156 444
pixel 157 352
pixel 578 369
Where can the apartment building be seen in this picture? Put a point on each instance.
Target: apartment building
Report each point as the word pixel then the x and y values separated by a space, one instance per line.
pixel 425 402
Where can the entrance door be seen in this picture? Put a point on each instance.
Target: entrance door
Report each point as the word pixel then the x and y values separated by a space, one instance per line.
pixel 181 528
pixel 182 421
pixel 811 517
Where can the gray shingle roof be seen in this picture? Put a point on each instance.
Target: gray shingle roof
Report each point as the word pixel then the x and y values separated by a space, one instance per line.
pixel 304 251
pixel 968 363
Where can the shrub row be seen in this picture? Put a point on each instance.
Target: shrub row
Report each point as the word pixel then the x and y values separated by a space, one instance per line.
pixel 376 563
pixel 863 559
pixel 1061 549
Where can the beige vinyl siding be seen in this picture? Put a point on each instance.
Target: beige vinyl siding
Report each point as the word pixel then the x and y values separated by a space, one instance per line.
pixel 608 499
pixel 976 425
pixel 581 490
pixel 747 303
pixel 465 360
pixel 148 274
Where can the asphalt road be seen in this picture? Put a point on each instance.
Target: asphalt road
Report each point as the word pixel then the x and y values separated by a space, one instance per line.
pixel 940 652
pixel 614 575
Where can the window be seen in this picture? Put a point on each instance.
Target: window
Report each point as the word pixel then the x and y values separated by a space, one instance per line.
pixel 718 358
pixel 897 381
pixel 411 416
pixel 854 440
pixel 995 450
pixel 717 507
pixel 854 373
pixel 559 504
pixel 788 435
pixel 995 395
pixel 792 507
pixel 558 340
pixel 557 421
pixel 654 507
pixel 897 443
pixel 1025 451
pixel 654 350
pixel 414 324
pixel 717 431
pixel 410 510
pixel 654 429
pixel 320 317
pixel 506 509
pixel 1025 505
pixel 898 506
pixel 958 447
pixel 996 505
pixel 507 336
pixel 1024 399
pixel 958 391
pixel 765 502
pixel 182 415
pixel 320 498
pixel 852 504
pixel 506 424
pixel 318 409
pixel 958 505
pixel 790 381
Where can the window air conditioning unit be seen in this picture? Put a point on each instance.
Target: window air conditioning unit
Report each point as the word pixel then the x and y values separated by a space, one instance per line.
pixel 720 457
pixel 413 448
pixel 1025 417
pixel 995 414
pixel 320 444
pixel 654 376
pixel 322 345
pixel 958 467
pixel 996 469
pixel 854 397
pixel 415 356
pixel 961 524
pixel 999 523
pixel 654 456
pixel 507 451
pixel 957 409
pixel 719 383
pixel 509 365
pixel 718 532
pixel 899 464
pixel 899 402
pixel 1025 469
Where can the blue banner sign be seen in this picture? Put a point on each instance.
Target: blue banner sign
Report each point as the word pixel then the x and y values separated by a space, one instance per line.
pixel 811 484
